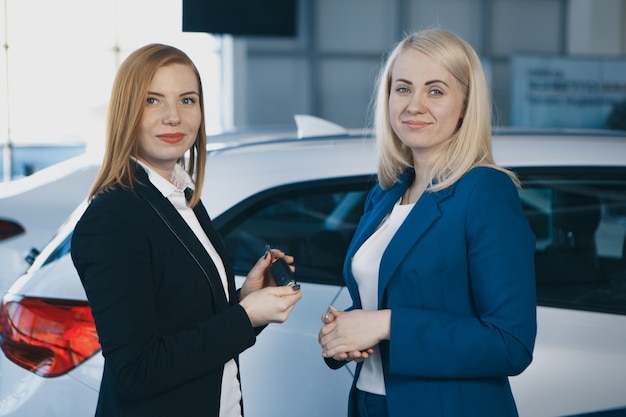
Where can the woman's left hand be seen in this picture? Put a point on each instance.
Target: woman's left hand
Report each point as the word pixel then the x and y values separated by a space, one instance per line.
pixel 350 335
pixel 259 276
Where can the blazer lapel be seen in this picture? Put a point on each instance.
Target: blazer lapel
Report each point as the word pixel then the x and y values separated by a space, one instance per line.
pixel 421 218
pixel 368 224
pixel 186 236
pixel 424 214
pixel 216 240
pixel 372 219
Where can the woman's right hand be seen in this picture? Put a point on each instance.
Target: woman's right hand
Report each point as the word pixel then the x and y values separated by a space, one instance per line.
pixel 270 304
pixel 356 355
pixel 259 276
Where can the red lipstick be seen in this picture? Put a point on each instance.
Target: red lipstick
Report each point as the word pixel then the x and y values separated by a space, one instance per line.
pixel 171 137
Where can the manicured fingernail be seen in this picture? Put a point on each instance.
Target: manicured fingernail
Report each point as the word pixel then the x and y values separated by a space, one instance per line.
pixel 265 255
pixel 295 287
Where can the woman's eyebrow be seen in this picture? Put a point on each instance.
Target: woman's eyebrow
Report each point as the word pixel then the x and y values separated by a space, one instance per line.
pixel 404 81
pixel 154 93
pixel 435 82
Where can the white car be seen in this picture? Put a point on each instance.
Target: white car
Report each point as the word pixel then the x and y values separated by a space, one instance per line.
pixel 33 207
pixel 305 195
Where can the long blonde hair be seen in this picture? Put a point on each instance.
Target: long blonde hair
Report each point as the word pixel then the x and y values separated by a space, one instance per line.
pixel 470 145
pixel 125 111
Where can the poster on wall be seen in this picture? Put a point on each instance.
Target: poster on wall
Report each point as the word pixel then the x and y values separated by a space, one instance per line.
pixel 564 91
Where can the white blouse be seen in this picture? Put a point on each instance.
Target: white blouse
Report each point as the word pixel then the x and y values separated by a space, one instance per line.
pixel 365 268
pixel 174 192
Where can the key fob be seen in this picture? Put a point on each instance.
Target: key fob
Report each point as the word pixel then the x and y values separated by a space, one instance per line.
pixel 280 270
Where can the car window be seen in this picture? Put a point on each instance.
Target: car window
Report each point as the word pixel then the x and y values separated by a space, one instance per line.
pixel 312 221
pixel 578 216
pixel 579 219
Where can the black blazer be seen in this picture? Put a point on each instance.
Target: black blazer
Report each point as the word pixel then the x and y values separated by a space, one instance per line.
pixel 161 314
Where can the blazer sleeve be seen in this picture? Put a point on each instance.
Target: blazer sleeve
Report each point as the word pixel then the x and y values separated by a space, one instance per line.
pixel 496 336
pixel 112 250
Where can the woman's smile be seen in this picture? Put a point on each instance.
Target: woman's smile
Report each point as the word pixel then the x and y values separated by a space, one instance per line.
pixel 414 124
pixel 171 137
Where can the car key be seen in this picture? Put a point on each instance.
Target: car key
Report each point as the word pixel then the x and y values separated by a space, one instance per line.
pixel 280 271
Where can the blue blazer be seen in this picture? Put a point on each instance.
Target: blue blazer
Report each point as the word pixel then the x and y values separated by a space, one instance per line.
pixel 459 279
pixel 164 323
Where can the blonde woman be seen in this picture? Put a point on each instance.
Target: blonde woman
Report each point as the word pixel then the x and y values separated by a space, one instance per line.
pixel 440 269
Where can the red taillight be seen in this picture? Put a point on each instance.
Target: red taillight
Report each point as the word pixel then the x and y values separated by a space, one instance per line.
pixel 47 336
pixel 9 229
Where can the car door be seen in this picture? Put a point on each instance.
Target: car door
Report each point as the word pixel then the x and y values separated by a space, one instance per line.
pixel 313 221
pixel 578 215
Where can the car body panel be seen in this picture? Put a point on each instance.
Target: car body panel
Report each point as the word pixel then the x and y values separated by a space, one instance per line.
pixel 40 203
pixel 279 350
pixel 559 381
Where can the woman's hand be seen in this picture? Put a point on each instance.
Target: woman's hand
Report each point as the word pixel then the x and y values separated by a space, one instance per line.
pixel 357 355
pixel 263 301
pixel 259 276
pixel 351 335
pixel 270 304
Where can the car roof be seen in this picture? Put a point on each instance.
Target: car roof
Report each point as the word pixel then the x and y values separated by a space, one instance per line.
pixel 559 148
pixel 512 146
pixel 237 168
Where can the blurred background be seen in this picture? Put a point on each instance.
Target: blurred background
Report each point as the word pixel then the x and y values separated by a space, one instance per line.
pixel 550 63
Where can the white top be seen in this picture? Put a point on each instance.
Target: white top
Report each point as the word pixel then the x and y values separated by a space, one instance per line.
pixel 365 268
pixel 174 192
